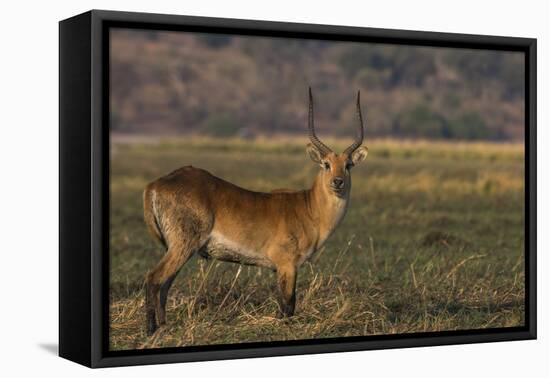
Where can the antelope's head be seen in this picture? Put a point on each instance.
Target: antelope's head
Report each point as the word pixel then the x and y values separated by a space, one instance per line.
pixel 335 174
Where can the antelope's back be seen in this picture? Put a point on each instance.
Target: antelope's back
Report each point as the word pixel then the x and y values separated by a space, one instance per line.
pixel 232 209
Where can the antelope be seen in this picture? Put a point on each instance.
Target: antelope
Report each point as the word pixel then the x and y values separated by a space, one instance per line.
pixel 192 211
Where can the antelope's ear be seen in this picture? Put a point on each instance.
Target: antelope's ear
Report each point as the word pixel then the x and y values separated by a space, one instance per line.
pixel 359 155
pixel 314 153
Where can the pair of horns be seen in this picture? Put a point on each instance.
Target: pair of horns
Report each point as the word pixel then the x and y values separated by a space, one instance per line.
pixel 323 148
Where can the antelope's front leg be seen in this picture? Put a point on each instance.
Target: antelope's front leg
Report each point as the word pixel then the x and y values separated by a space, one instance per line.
pixel 286 280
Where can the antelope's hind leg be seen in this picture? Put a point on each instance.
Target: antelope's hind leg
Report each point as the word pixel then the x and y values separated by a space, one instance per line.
pixel 158 282
pixel 159 279
pixel 163 296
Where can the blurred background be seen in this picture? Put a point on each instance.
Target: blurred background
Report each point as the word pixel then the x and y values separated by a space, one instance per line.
pixel 445 168
pixel 179 83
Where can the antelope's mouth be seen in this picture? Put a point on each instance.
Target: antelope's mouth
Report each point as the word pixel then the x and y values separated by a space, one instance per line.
pixel 339 191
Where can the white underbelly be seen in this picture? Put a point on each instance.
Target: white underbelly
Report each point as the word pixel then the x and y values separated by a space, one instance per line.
pixel 222 248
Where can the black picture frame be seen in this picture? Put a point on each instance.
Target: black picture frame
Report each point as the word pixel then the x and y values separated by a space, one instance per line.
pixel 84 187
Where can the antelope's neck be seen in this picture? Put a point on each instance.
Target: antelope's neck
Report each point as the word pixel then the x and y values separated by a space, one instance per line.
pixel 328 208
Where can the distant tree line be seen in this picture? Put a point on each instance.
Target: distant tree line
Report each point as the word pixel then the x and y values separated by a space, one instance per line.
pixel 228 85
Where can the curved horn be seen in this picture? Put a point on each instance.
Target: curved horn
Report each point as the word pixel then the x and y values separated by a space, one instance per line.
pixel 324 149
pixel 359 139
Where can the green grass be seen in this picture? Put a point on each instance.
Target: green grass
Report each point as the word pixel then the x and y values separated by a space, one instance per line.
pixel 433 240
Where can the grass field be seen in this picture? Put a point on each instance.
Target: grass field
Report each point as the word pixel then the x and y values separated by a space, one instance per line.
pixel 433 240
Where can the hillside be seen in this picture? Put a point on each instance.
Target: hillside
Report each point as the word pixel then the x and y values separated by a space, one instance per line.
pixel 177 83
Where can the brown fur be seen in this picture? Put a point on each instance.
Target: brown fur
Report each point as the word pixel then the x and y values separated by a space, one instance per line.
pixel 190 210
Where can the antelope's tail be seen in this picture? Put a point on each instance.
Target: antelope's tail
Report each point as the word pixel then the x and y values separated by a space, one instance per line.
pixel 151 216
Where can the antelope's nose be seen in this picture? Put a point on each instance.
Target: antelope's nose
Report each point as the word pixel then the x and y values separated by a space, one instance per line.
pixel 338 182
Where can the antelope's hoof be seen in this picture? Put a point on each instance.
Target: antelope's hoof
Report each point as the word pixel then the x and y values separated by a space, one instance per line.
pixel 151 329
pixel 285 314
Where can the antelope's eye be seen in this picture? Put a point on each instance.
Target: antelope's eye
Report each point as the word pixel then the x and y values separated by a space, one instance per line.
pixel 326 165
pixel 349 165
